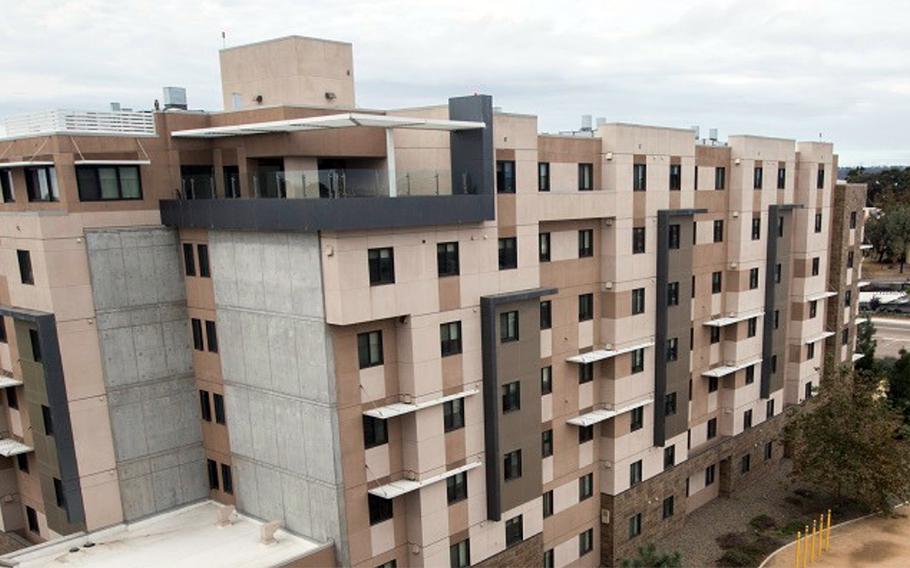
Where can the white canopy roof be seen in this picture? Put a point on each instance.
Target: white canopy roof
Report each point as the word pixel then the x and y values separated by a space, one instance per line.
pixel 6 382
pixel 399 408
pixel 724 321
pixel 28 164
pixel 865 247
pixel 820 296
pixel 602 414
pixel 112 162
pixel 819 337
pixel 725 370
pixel 601 354
pixel 402 486
pixel 857 357
pixel 10 448
pixel 863 283
pixel 345 120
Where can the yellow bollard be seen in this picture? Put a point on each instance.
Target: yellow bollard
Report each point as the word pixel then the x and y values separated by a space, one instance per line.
pixel 828 532
pixel 806 547
pixel 821 534
pixel 814 538
pixel 798 565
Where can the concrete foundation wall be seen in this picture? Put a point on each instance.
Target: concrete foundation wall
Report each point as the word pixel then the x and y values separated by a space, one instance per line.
pixel 143 331
pixel 279 380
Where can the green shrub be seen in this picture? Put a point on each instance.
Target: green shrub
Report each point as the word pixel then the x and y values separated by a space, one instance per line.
pixel 762 523
pixel 737 557
pixel 732 540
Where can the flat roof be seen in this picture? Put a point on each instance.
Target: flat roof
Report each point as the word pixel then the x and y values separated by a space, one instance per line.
pixel 185 538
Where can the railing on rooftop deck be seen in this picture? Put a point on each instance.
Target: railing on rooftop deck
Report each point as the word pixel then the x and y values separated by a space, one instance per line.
pixel 129 123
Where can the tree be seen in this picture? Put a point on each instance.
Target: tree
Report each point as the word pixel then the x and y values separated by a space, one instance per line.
pixel 897 223
pixel 848 442
pixel 649 557
pixel 899 384
pixel 876 232
pixel 865 344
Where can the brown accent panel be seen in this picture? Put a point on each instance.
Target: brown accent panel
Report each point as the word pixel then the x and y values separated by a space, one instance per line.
pixel 617 305
pixel 639 159
pixel 526 553
pixel 675 199
pixel 639 205
pixel 452 373
pixel 449 293
pixel 321 558
pixel 675 160
pixel 458 520
pixel 505 154
pixel 712 156
pixel 505 213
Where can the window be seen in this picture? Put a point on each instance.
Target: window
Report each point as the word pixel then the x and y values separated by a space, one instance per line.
pixel 773 363
pixel 543 240
pixel 638 301
pixel 508 253
pixel 3 338
pixel 511 397
pixel 546 443
pixel 750 374
pixel 512 465
pixel 586 542
pixel 751 327
pixel 375 432
pixel 776 318
pixel 712 428
pixel 747 419
pixel 549 560
pixel 716 282
pixel 585 373
pixel 585 307
pixel 745 464
pixel 369 349
pixel 780 226
pixel 585 434
pixel 35 342
pixel 634 473
pixel 853 219
pixel 635 525
pixel 218 401
pixel 457 487
pixel 380 509
pixel 848 298
pixel 778 273
pixel 756 228
pixel 850 259
pixel 673 349
pixel 59 495
pixel 769 450
pixel 667 508
pixel 231 182
pixel 673 294
pixel 393 563
pixel 813 309
pixel 41 184
pixel 638 240
pixel 709 475
pixel 205 406
pixel 508 326
pixel 47 420
pixel 675 177
pixel 505 177
pixel 450 338
pixel 673 237
pixel 585 243
pixel 12 399
pixel 585 177
pixel 757 175
pixel 669 457
pixel 718 230
pixel 695 174
pixel 447 259
pixel 585 486
pixel 32 517
pixel 26 276
pixel 543 176
pixel 460 554
pixel 22 462
pixel 816 266
pixel 720 178
pixel 818 222
pixel 691 348
pixel 227 479
pixel 820 182
pixel 189 261
pixel 713 384
pixel 514 531
pixel 546 314
pixel 639 177
pixel 211 336
pixel 637 421
pixel 694 237
pixel 670 404
pixel 103 183
pixel 6 186
pixel 204 269
pixel 638 360
pixel 546 380
pixel 810 352
pixel 845 336
pixel 382 266
pixel 453 414
pixel 753 278
pixel 548 504
pixel 769 409
pixel 781 177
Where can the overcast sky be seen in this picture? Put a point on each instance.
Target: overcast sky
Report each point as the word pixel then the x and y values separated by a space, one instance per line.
pixel 790 68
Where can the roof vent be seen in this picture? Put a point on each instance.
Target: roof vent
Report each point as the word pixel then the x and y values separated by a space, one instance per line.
pixel 586 123
pixel 174 97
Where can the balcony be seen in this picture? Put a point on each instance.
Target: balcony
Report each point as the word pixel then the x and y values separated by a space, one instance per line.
pixel 77 122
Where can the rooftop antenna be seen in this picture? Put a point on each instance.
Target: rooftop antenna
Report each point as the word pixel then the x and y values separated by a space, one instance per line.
pixel 223 40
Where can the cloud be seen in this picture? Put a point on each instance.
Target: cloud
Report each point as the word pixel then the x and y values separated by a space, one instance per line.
pixel 793 68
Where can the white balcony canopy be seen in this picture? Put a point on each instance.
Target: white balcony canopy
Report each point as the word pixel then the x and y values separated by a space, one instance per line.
pixel 602 414
pixel 399 408
pixel 820 296
pixel 402 486
pixel 601 354
pixel 10 448
pixel 857 357
pixel 725 370
pixel 724 321
pixel 865 247
pixel 30 164
pixel 6 382
pixel 819 337
pixel 863 283
pixel 112 162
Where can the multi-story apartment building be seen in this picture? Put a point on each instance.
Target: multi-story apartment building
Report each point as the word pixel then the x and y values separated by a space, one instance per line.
pixel 426 336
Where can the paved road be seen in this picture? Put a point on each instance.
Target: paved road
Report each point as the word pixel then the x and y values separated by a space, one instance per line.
pixel 891 336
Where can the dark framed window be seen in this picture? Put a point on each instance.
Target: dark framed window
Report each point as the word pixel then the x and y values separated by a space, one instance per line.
pixel 543 242
pixel 205 406
pixel 457 487
pixel 546 314
pixel 638 240
pixel 780 226
pixel 585 243
pixel 450 338
pixel 820 181
pixel 585 373
pixel 850 259
pixel 460 554
pixel 695 175
pixel 108 183
pixel 750 374
pixel 546 443
pixel 848 298
pixel 586 542
pixel 752 327
pixel 59 495
pixel 756 228
pixel 757 175
pixel 511 465
pixel 670 404
pixel 508 326
pixel 667 508
pixel 635 473
pixel 813 308
pixel 637 419
pixel 585 486
pixel 189 261
pixel 12 399
pixel 810 351
pixel 35 342
pixel 549 558
pixel 546 380
pixel 634 525
pixel 369 349
pixel 3 338
pixel 716 282
pixel 669 457
pixel 41 184
pixel 672 349
pixel 26 275
pixel 375 432
pixel 714 335
pixel 845 336
pixel 781 177
pixel 204 268
pixel 720 178
pixel 218 403
pixel 505 176
pixel 453 414
pixel 853 219
pixel 22 462
pixel 638 301
pixel 548 504
pixel 769 409
pixel 712 428
pixel 776 319
pixel 639 177
pixel 231 182
pixel 585 434
pixel 382 266
pixel 773 363
pixel 511 397
pixel 747 419
pixel 380 509
pixel 778 273
pixel 508 253
pixel 718 230
pixel 585 307
pixel 808 389
pixel 769 450
pixel 816 266
pixel 447 259
pixel 753 278
pixel 47 420
pixel 638 360
pixel 713 383
pixel 543 176
pixel 32 518
pixel 227 479
pixel 7 192
pixel 675 177
pixel 673 236
pixel 211 336
pixel 673 294
pixel 514 531
pixel 198 338
pixel 818 222
pixel 745 463
pixel 585 177
pixel 709 475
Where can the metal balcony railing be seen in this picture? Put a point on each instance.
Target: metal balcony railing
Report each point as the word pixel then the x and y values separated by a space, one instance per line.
pixel 131 123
